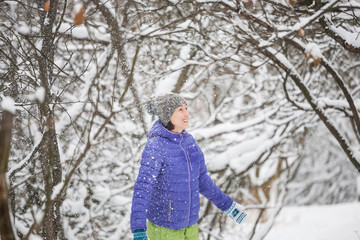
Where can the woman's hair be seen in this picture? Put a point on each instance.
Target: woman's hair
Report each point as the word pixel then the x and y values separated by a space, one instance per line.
pixel 170 126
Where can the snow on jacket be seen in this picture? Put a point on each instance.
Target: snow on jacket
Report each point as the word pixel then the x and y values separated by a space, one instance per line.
pixel 171 176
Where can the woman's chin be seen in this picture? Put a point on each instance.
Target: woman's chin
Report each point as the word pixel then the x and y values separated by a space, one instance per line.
pixel 185 126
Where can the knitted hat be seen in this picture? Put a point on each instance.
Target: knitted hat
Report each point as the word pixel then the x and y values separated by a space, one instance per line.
pixel 164 106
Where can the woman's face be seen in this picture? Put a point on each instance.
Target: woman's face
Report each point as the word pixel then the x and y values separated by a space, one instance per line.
pixel 180 119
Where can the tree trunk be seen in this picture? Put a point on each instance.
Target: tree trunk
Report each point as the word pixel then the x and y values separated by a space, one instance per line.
pixel 6 231
pixel 52 172
pixel 49 153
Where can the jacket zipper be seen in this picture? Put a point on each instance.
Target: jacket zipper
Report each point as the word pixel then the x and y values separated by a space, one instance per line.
pixel 189 174
pixel 169 216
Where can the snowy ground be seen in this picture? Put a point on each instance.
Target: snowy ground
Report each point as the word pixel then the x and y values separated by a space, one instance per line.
pixel 326 222
pixel 332 222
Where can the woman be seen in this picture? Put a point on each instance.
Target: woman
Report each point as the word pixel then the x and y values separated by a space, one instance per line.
pixel 171 176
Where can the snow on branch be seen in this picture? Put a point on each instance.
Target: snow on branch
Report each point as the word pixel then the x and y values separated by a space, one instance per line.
pixel 349 40
pixel 285 64
pixel 228 127
pixel 337 77
pixel 308 20
pixel 242 155
pixel 349 37
pixel 8 104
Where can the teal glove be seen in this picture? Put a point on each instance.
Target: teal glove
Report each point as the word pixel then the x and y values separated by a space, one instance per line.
pixel 140 234
pixel 236 212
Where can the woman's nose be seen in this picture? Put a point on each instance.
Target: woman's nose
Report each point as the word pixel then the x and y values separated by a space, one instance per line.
pixel 186 113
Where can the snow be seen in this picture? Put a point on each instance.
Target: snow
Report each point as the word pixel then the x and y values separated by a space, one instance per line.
pixel 98 198
pixel 185 24
pixel 57 190
pixel 314 50
pixel 13 7
pixel 167 83
pixel 34 237
pixel 358 186
pixel 250 152
pixel 46 21
pixel 81 32
pixel 8 104
pixel 331 222
pixel 22 28
pixel 202 133
pixel 77 7
pixel 351 38
pixel 75 206
pixel 324 101
pixel 303 22
pixel 110 7
pixel 75 108
pixel 38 96
pixel 25 159
pixel 240 156
pixel 39 45
pixel 284 60
pixel 318 222
pixel 230 3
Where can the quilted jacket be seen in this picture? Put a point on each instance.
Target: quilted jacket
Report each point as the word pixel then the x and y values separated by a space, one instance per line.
pixel 171 176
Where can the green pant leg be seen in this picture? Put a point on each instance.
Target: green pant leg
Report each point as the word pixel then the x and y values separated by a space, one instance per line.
pixel 192 232
pixel 156 232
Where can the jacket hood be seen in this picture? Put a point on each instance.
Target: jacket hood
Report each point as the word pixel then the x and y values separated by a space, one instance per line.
pixel 158 130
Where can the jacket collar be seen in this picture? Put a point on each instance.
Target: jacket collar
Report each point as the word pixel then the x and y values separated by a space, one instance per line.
pixel 158 130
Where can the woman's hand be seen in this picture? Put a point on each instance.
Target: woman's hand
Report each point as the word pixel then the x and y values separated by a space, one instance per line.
pixel 236 212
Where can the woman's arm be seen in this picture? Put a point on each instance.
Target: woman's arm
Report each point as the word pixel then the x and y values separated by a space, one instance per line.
pixel 212 192
pixel 149 170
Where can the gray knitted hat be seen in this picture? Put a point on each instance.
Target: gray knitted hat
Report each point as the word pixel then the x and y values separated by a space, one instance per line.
pixel 164 106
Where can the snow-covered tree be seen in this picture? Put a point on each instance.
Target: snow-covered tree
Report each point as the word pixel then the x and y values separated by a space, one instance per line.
pixel 262 79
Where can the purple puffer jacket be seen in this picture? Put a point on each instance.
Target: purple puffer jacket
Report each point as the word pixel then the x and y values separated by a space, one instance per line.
pixel 171 176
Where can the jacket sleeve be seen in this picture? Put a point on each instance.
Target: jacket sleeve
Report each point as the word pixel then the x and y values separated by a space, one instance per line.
pixel 149 170
pixel 212 192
